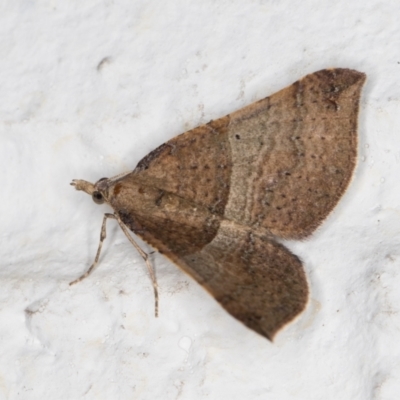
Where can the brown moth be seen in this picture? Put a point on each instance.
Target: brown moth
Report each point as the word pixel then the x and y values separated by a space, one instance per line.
pixel 217 199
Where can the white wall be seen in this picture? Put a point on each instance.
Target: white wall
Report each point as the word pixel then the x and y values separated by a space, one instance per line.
pixel 87 88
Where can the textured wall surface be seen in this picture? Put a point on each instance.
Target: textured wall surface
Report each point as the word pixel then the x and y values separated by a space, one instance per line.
pixel 87 89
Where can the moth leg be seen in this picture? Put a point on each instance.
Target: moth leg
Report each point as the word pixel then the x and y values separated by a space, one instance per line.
pixel 102 237
pixel 145 257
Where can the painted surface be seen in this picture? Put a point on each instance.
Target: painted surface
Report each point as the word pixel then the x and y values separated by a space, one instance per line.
pixel 87 90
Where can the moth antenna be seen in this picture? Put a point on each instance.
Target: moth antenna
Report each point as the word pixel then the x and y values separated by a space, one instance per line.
pixel 119 176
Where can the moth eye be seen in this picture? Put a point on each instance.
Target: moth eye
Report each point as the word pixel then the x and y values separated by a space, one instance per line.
pixel 98 198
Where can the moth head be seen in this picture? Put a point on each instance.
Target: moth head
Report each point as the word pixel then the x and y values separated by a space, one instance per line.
pixel 100 190
pixel 97 191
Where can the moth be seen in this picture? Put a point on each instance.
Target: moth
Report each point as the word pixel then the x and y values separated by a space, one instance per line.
pixel 217 200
